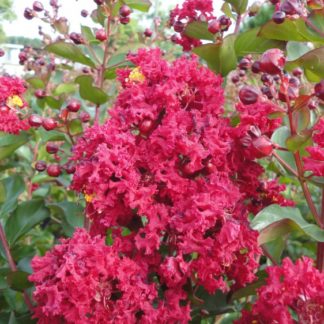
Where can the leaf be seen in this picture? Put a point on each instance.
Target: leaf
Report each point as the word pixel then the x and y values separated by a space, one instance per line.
pixel 220 58
pixel 199 30
pixel 89 92
pixel 54 103
pixel 297 142
pixel 239 6
pixel 296 50
pixel 76 126
pixel 290 30
pixel 251 288
pixel 87 33
pixel 36 83
pixel 70 52
pixel 279 137
pixel 53 135
pixel 12 187
pixel 312 62
pixel 275 221
pixel 10 143
pixel 24 218
pixel 250 42
pixel 64 88
pixel 141 5
pixel 226 9
pixel 18 280
pixel 71 213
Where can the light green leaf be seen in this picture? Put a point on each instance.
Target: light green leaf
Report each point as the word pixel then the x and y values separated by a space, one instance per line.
pixel 64 88
pixel 239 6
pixel 199 30
pixel 36 83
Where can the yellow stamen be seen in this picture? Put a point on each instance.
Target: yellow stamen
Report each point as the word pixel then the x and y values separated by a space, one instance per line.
pixel 88 198
pixel 136 75
pixel 15 101
pixel 254 322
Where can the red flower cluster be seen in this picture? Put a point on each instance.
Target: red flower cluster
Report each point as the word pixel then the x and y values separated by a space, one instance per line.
pixel 315 162
pixel 84 281
pixel 291 288
pixel 191 10
pixel 11 103
pixel 160 167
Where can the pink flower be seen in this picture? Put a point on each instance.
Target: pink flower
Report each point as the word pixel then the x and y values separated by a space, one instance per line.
pixel 11 104
pixel 315 161
pixel 296 288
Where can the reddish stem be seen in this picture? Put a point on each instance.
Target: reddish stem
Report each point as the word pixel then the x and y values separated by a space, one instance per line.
pixel 12 263
pixel 320 245
pixel 238 23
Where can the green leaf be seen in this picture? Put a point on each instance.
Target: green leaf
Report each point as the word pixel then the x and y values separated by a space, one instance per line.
pixel 297 142
pixel 24 218
pixel 276 221
pixel 70 52
pixel 71 214
pixel 12 187
pixel 54 103
pixel 76 126
pixel 53 135
pixel 87 33
pixel 296 50
pixel 220 58
pixel 10 143
pixel 239 6
pixel 64 88
pixel 89 92
pixel 250 42
pixel 312 62
pixel 226 9
pixel 141 5
pixel 290 30
pixel 279 137
pixel 36 83
pixel 18 280
pixel 199 30
pixel 251 288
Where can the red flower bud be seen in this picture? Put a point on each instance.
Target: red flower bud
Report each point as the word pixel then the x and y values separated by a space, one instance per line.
pixel 54 170
pixel 248 95
pixel 272 61
pixel 263 146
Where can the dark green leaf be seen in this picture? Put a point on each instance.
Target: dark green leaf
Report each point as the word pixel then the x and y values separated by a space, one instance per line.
pixel 275 221
pixel 250 43
pixel 198 30
pixel 250 289
pixel 70 52
pixel 10 143
pixel 220 58
pixel 90 92
pixel 13 187
pixel 24 218
pixel 18 280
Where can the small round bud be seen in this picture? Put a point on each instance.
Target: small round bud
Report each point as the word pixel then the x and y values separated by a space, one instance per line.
pixel 279 17
pixel 272 61
pixel 84 13
pixel 49 124
pixel 29 14
pixel 35 120
pixel 125 11
pixel 51 148
pixel 40 94
pixel 74 105
pixel 101 35
pixel 54 170
pixel 214 26
pixel 40 166
pixel 248 95
pixel 84 117
pixel 148 33
pixel 38 6
pixel 319 90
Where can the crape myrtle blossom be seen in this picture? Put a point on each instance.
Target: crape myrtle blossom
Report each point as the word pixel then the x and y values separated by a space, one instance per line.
pixel 290 289
pixel 191 10
pixel 315 161
pixel 161 181
pixel 11 105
